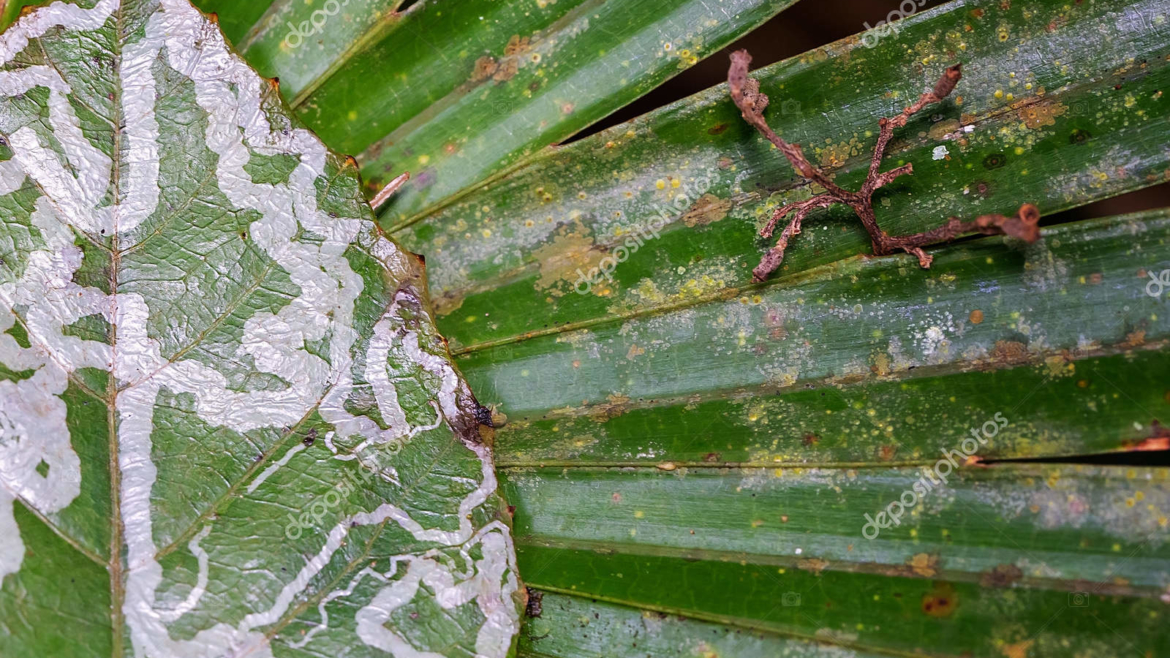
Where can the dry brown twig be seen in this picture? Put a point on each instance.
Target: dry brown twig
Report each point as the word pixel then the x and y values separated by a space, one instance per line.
pixel 745 91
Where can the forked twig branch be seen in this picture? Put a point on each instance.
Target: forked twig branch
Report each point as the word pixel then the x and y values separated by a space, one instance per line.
pixel 745 91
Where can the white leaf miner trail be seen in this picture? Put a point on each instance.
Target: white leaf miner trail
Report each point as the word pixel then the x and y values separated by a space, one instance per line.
pixel 83 198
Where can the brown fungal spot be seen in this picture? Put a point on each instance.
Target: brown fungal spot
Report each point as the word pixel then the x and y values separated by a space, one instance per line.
pixel 516 45
pixel 571 249
pixel 1003 575
pixel 813 564
pixel 615 405
pixel 717 129
pixel 708 209
pixel 810 439
pixel 941 601
pixel 1009 351
pixel 485 67
pixel 507 71
pixel 976 317
pixel 1135 338
pixel 711 457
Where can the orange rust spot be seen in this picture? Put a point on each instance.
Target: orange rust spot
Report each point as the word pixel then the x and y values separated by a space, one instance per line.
pixel 976 317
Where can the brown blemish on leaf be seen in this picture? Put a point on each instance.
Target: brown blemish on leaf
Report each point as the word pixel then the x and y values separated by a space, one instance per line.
pixel 634 352
pixel 1038 115
pixel 943 128
pixel 447 303
pixel 615 405
pixel 485 67
pixel 717 129
pixel 924 564
pixel 506 71
pixel 1003 575
pixel 976 317
pixel 813 564
pixel 708 209
pixel 940 602
pixel 1009 352
pixel 571 249
pixel 1135 338
pixel 516 45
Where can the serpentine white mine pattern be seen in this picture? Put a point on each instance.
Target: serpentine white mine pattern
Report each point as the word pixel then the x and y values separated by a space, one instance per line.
pixel 80 200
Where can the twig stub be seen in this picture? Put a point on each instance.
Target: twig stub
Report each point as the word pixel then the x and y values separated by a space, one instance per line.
pixel 745 91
